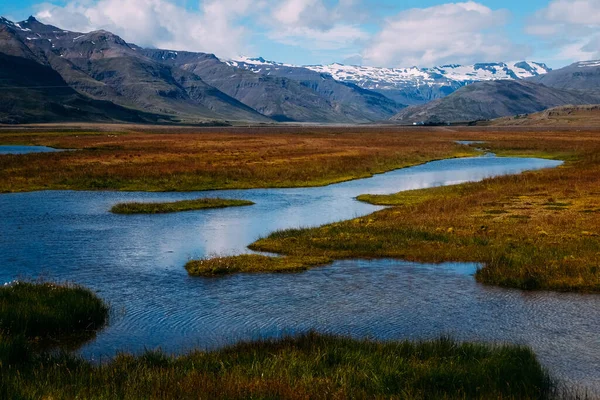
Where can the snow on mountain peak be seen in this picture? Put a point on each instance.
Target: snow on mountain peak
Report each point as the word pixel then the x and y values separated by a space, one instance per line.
pixel 380 78
pixel 394 78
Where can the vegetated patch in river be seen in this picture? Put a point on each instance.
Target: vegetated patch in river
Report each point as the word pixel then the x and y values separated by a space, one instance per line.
pixel 136 264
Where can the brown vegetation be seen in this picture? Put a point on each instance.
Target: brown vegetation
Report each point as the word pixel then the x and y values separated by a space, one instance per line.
pixel 186 159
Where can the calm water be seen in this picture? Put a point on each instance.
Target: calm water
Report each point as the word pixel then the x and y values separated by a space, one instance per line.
pixel 136 263
pixel 4 149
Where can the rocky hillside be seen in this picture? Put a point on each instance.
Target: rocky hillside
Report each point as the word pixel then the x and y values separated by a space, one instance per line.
pixel 493 99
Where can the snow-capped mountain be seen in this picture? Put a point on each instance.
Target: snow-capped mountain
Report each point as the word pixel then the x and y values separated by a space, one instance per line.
pixel 408 85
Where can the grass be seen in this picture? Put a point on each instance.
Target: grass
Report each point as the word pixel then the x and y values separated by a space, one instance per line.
pixel 251 263
pixel 49 311
pixel 306 366
pixel 190 159
pixel 533 231
pixel 177 206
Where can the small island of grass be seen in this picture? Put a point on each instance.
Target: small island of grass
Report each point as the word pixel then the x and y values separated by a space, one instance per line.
pixel 177 206
pixel 252 263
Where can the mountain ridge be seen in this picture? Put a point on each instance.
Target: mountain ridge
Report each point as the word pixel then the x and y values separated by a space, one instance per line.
pixel 408 85
pixel 493 99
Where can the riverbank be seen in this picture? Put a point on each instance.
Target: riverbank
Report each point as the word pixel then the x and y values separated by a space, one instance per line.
pixel 307 366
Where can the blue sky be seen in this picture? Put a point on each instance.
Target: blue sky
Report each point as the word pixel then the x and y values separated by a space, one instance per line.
pixel 387 33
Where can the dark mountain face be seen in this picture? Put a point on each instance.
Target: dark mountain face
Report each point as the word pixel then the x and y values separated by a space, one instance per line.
pixel 32 92
pixel 103 66
pixel 488 100
pixel 583 75
pixel 353 101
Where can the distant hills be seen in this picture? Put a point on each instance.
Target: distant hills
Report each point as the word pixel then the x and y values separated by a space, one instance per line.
pixel 580 116
pixel 576 84
pixel 48 74
pixel 405 85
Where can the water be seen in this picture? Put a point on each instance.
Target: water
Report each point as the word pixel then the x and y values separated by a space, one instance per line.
pixel 136 263
pixel 4 149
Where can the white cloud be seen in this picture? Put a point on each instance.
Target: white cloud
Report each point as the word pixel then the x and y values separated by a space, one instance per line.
pixel 450 33
pixel 315 25
pixel 571 26
pixel 463 32
pixel 158 23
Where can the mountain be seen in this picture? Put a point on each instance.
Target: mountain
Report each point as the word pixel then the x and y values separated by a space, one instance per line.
pixel 188 87
pixel 103 66
pixel 583 75
pixel 493 99
pixel 31 91
pixel 281 99
pixel 351 99
pixel 410 85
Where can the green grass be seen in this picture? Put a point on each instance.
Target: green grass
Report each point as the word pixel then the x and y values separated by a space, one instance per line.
pixel 50 312
pixel 177 206
pixel 308 366
pixel 252 263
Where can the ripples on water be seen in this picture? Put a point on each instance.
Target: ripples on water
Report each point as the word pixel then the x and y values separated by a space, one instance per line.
pixel 136 263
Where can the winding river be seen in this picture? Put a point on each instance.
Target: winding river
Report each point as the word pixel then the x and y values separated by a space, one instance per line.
pixel 136 263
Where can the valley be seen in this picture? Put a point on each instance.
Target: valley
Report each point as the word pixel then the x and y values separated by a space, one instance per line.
pixel 418 221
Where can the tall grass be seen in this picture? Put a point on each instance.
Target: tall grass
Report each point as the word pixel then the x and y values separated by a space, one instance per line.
pixel 307 366
pixel 48 311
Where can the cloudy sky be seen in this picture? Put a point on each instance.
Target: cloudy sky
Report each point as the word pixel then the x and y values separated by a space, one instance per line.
pixel 390 33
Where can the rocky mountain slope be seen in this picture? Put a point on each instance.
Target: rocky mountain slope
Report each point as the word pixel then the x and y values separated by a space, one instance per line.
pixel 583 75
pixel 405 85
pixel 493 99
pixel 279 97
pixel 352 99
pixel 31 91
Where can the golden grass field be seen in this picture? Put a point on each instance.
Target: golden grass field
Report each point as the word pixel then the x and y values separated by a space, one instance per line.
pixel 187 159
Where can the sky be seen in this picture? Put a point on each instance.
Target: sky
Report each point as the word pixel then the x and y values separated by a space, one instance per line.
pixel 382 33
